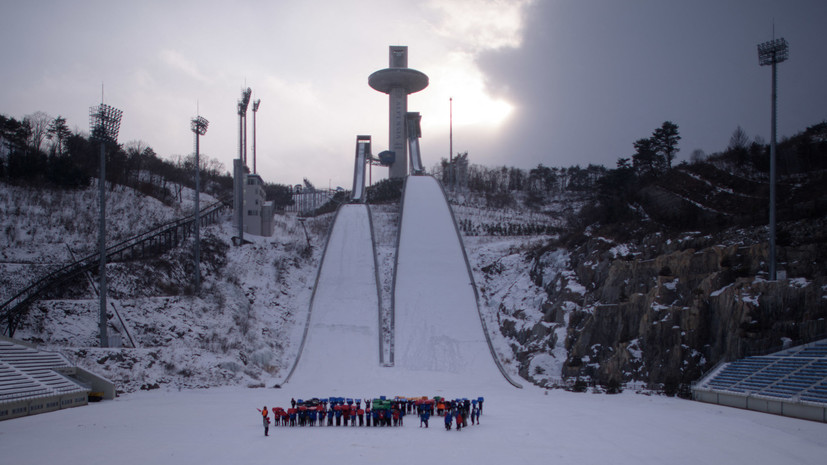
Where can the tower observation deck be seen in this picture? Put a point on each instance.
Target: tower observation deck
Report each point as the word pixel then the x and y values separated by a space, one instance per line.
pixel 398 81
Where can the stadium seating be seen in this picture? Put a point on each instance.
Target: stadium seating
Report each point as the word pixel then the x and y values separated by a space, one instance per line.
pixel 796 374
pixel 29 382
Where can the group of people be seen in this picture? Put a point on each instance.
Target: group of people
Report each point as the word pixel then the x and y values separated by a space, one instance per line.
pixel 460 411
pixel 338 411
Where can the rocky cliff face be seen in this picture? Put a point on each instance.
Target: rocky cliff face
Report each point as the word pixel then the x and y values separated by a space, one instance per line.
pixel 665 310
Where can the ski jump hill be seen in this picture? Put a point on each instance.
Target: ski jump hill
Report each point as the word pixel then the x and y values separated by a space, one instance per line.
pixel 341 338
pixel 439 341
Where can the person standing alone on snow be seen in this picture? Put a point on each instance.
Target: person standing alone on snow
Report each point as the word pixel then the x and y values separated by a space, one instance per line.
pixel 266 420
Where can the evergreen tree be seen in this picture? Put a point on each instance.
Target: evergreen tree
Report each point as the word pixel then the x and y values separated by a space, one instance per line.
pixel 665 143
pixel 645 159
pixel 59 131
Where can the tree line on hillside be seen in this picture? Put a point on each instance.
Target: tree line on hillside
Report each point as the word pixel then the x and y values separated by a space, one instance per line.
pixel 616 193
pixel 624 188
pixel 40 150
pixel 653 155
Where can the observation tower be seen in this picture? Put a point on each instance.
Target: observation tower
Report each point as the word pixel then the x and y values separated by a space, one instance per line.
pixel 398 81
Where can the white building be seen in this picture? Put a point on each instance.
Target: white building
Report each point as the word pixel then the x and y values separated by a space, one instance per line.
pixel 258 212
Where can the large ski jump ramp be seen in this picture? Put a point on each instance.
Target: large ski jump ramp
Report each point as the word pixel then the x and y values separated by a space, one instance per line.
pixel 440 342
pixel 437 323
pixel 342 335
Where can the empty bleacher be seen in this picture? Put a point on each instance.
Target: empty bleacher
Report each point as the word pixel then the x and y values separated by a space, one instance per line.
pixel 794 380
pixel 29 382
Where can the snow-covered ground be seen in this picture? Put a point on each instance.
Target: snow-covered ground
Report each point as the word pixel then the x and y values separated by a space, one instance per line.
pixel 222 426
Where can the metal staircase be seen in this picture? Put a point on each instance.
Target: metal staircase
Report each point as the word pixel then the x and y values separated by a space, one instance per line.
pixel 149 243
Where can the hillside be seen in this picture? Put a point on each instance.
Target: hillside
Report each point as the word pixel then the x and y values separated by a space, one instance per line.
pixel 675 285
pixel 574 291
pixel 238 330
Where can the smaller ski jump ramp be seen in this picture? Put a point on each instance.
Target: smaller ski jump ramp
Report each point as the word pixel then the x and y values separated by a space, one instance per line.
pixel 343 328
pixel 437 322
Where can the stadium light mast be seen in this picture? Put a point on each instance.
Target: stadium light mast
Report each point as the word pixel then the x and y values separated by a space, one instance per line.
pixel 451 143
pixel 771 53
pixel 199 128
pixel 105 123
pixel 240 164
pixel 255 110
pixel 245 102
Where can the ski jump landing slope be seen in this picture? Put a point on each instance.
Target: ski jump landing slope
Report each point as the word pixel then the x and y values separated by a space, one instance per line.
pixel 437 322
pixel 341 344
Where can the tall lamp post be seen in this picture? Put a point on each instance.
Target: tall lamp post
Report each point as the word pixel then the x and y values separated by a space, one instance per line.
pixel 255 110
pixel 199 127
pixel 771 53
pixel 105 122
pixel 240 164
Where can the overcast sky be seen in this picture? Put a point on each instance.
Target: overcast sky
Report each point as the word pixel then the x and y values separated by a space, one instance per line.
pixel 533 81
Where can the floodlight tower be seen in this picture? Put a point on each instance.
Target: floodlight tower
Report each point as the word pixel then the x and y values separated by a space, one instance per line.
pixel 255 110
pixel 398 81
pixel 451 143
pixel 242 121
pixel 105 123
pixel 771 53
pixel 240 163
pixel 199 127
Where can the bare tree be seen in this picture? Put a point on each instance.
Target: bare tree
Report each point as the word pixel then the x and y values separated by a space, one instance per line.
pixel 697 156
pixel 137 152
pixel 39 125
pixel 739 139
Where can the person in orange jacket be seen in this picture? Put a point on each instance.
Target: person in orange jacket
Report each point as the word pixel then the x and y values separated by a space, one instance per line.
pixel 265 419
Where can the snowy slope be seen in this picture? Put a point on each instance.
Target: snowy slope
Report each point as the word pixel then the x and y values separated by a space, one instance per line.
pixel 437 324
pixel 344 315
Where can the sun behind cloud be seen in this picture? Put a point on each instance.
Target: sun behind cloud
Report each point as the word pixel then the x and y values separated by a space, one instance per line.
pixel 459 79
pixel 469 28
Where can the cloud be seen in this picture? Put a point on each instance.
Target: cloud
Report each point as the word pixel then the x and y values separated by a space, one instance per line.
pixel 177 61
pixel 481 24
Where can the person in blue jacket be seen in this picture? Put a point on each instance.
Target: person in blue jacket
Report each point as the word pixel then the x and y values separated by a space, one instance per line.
pixel 423 417
pixel 448 419
pixel 330 416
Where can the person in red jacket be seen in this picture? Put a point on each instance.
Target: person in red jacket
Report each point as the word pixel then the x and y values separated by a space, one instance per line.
pixel 361 414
